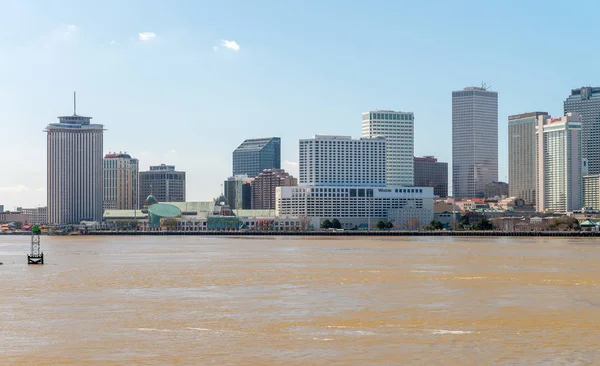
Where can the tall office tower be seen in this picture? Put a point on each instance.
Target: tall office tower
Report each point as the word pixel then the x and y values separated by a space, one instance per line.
pixel 398 128
pixel 474 141
pixel 1 208
pixel 586 102
pixel 74 170
pixel 591 192
pixel 522 156
pixel 238 192
pixel 263 187
pixel 163 182
pixel 559 166
pixel 431 173
pixel 255 155
pixel 121 191
pixel 343 161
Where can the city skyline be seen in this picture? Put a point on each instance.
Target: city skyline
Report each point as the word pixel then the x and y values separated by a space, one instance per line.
pixel 177 84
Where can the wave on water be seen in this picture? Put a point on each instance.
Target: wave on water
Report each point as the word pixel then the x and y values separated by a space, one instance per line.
pixel 444 331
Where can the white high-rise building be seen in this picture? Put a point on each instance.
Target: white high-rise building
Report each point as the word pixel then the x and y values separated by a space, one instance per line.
pixel 560 165
pixel 121 190
pixel 398 128
pixel 474 141
pixel 74 170
pixel 343 161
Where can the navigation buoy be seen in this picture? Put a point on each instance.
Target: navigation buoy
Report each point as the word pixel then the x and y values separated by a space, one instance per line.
pixel 36 256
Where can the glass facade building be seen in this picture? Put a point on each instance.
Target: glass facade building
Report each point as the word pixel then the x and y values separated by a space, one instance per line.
pixel 586 102
pixel 255 155
pixel 474 141
pixel 522 155
pixel 431 173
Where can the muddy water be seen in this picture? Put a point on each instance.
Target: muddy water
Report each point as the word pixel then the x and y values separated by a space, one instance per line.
pixel 287 301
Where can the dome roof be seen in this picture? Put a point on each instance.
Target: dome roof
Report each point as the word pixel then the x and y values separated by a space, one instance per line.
pixel 164 210
pixel 151 200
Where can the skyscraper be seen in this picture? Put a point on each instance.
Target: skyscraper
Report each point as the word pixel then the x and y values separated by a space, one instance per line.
pixel 560 166
pixel 342 161
pixel 121 190
pixel 474 141
pixel 586 102
pixel 522 156
pixel 431 173
pixel 255 155
pixel 238 192
pixel 398 128
pixel 74 170
pixel 164 183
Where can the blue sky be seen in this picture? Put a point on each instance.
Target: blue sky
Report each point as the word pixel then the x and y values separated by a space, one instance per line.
pixel 160 78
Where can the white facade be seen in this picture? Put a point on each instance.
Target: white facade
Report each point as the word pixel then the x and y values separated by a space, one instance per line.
pixel 398 128
pixel 74 169
pixel 591 192
pixel 405 207
pixel 474 141
pixel 342 161
pixel 121 189
pixel 560 166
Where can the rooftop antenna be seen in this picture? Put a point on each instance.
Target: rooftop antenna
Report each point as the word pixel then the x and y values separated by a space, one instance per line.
pixel 485 86
pixel 74 103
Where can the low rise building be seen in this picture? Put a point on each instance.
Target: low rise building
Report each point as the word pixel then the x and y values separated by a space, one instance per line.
pixel 38 215
pixel 406 208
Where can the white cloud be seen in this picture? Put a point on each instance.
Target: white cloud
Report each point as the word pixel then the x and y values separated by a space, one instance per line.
pixel 113 42
pixel 71 28
pixel 172 151
pixel 146 36
pixel 232 45
pixel 19 188
pixel 290 163
pixel 41 189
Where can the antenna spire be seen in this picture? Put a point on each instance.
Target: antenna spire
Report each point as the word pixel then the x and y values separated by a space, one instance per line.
pixel 74 103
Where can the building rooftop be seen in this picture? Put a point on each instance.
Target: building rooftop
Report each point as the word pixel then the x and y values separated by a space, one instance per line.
pixel 255 144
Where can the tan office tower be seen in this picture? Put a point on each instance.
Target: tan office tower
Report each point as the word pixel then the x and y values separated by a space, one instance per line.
pixel 121 182
pixel 522 155
pixel 74 170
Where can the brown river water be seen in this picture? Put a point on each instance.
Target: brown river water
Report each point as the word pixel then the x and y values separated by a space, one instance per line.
pixel 301 301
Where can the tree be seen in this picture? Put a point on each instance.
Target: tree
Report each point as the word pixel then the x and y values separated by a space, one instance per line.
pixel 326 224
pixel 564 223
pixel 336 224
pixel 389 225
pixel 381 225
pixel 433 225
pixel 483 224
pixel 170 224
pixel 304 223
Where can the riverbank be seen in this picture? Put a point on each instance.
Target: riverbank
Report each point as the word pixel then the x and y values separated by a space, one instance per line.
pixel 340 233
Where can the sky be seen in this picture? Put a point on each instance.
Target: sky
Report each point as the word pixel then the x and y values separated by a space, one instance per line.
pixel 185 82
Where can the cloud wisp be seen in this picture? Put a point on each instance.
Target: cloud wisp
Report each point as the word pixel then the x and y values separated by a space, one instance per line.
pixel 290 163
pixel 19 188
pixel 232 45
pixel 146 36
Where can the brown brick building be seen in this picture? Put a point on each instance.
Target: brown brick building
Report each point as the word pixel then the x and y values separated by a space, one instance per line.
pixel 263 187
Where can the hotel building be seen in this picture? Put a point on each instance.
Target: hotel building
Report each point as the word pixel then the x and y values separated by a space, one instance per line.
pixel 522 155
pixel 345 179
pixel 342 161
pixel 398 129
pixel 121 190
pixel 559 166
pixel 74 170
